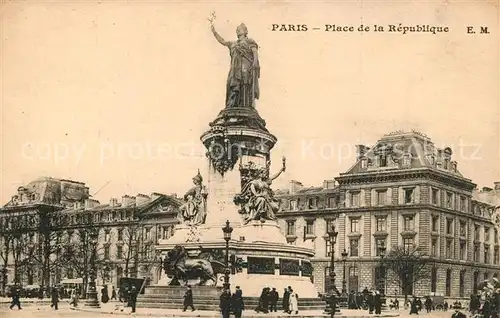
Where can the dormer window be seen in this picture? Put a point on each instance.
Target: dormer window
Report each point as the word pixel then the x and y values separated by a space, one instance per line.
pixel 364 163
pixel 383 161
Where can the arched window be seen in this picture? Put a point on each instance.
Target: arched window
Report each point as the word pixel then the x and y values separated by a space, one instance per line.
pixel 462 283
pixel 448 282
pixel 434 280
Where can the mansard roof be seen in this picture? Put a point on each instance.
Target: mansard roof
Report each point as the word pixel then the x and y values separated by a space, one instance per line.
pixel 402 151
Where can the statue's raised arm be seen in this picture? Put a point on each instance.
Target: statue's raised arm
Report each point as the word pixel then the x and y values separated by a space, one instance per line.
pixel 219 38
pixel 283 168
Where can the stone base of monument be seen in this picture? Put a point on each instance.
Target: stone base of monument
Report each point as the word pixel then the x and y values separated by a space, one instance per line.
pixel 205 298
pixel 263 258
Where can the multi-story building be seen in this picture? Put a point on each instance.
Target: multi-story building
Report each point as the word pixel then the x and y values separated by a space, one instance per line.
pixel 403 192
pixel 49 222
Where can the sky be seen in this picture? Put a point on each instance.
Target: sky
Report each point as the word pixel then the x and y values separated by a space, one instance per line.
pixel 116 94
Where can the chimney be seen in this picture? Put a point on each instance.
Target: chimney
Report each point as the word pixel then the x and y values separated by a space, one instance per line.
pixel 141 199
pixel 90 203
pixel 361 150
pixel 497 185
pixel 486 189
pixel 128 200
pixel 295 186
pixel 328 184
pixel 113 202
pixel 155 195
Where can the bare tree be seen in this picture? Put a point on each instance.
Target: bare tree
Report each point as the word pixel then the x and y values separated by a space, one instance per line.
pixel 132 243
pixel 408 265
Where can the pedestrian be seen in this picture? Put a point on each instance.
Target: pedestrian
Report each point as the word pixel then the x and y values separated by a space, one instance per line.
pixel 371 302
pixel 15 298
pixel 294 302
pixel 74 298
pixel 113 293
pixel 133 297
pixel 414 306
pixel 428 304
pixel 225 303
pixel 188 299
pixel 237 303
pixel 273 300
pixel 286 300
pixel 104 295
pixel 378 303
pixel 54 298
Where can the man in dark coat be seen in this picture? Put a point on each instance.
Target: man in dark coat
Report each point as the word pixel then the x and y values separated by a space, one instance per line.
pixel 54 298
pixel 286 300
pixel 132 297
pixel 414 306
pixel 371 302
pixel 188 299
pixel 273 300
pixel 225 303
pixel 378 303
pixel 237 303
pixel 113 293
pixel 15 298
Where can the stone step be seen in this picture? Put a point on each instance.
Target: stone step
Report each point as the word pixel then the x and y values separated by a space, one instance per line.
pixel 210 307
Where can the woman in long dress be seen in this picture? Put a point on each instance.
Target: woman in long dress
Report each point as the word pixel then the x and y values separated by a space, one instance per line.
pixel 294 302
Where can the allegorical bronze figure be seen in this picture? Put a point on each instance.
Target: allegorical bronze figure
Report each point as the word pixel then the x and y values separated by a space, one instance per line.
pixel 242 86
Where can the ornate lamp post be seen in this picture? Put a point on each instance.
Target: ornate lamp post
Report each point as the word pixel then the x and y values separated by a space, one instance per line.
pixel 382 249
pixel 344 296
pixel 333 293
pixel 227 237
pixel 92 300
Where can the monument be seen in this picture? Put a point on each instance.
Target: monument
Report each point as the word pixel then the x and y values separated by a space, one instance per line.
pixel 237 190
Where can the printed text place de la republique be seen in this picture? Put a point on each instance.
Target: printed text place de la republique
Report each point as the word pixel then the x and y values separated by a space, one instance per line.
pixel 393 28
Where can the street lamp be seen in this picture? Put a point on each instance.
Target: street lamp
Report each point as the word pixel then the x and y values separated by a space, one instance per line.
pixel 227 237
pixel 92 300
pixel 344 297
pixel 331 307
pixel 382 249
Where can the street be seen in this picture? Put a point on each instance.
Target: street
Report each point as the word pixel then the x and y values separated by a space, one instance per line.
pixel 65 311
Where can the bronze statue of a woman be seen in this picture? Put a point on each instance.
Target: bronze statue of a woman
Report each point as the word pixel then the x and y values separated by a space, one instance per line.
pixel 242 86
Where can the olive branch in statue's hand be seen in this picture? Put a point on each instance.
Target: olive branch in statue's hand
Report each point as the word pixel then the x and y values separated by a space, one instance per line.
pixel 211 19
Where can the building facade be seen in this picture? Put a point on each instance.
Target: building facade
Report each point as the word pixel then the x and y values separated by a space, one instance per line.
pixel 50 227
pixel 403 192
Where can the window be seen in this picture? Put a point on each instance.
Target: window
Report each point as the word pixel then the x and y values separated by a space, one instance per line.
pixel 107 235
pixel 293 205
pixel 119 252
pixel 354 244
pixel 147 233
pixel 433 279
pixel 383 160
pixel 449 248
pixel 106 251
pixel 329 224
pixel 167 232
pixel 496 256
pixel 354 225
pixel 463 254
pixel 434 248
pixel 332 202
pixel 408 193
pixel 462 283
pixel 311 203
pixel 310 227
pixel 408 244
pixel 463 204
pixel 406 160
pixel 449 200
pixel 449 226
pixel 120 234
pixel 448 282
pixel 495 233
pixel 435 224
pixel 290 227
pixel 381 224
pixel 355 196
pixel 435 196
pixel 378 243
pixel 409 223
pixel 487 254
pixel 463 231
pixel 486 234
pixel 476 232
pixel 382 197
pixel 476 253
